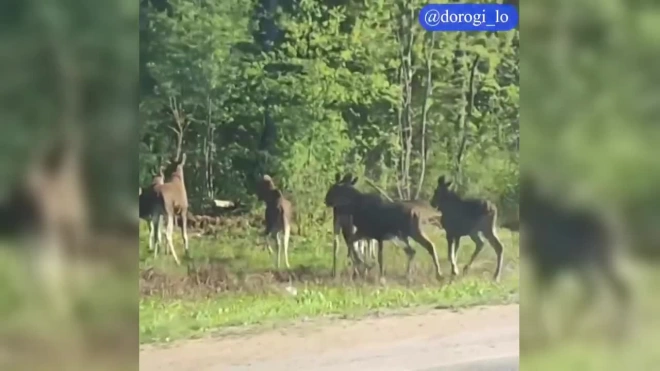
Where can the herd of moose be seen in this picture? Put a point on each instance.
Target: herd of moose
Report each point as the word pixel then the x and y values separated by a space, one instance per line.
pixel 364 220
pixel 557 238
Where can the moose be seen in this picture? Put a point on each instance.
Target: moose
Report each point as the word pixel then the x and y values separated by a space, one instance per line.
pixel 148 198
pixel 466 217
pixel 562 238
pixel 167 199
pixel 381 220
pixel 277 218
pixel 342 222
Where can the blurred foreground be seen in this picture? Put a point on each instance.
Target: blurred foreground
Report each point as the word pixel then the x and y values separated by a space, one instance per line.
pixel 68 145
pixel 590 236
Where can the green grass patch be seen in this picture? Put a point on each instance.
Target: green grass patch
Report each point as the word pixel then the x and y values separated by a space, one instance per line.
pixel 592 345
pixel 165 320
pixel 232 282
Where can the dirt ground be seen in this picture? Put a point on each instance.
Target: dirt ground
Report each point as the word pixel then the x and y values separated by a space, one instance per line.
pixel 425 340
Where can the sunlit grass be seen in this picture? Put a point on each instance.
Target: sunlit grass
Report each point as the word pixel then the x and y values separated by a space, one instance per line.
pixel 257 298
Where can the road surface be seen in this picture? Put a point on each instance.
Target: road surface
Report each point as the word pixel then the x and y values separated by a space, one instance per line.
pixel 477 339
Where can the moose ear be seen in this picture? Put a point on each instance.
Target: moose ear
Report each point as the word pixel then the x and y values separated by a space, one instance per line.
pixel 337 177
pixel 354 180
pixel 441 180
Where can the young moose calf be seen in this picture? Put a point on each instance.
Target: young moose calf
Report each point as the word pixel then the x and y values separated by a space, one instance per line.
pixel 466 217
pixel 381 220
pixel 171 200
pixel 279 212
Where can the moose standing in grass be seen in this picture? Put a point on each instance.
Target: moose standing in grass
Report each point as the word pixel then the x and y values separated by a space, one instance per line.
pixel 169 200
pixel 382 220
pixel 277 218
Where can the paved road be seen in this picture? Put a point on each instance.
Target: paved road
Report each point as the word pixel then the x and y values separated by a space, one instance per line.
pixel 475 339
pixel 494 364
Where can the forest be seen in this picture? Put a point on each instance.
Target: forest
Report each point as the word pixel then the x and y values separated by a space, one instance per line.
pixel 304 89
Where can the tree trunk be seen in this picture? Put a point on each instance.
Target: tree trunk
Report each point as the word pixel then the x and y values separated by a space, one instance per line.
pixel 208 149
pixel 466 117
pixel 269 133
pixel 425 111
pixel 406 40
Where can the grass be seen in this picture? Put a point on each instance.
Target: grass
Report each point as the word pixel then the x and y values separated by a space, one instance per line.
pixel 591 346
pixel 231 282
pixel 98 328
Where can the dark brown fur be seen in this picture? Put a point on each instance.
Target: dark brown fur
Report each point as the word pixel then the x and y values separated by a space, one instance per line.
pixel 559 238
pixel 342 222
pixel 382 220
pixel 467 217
pixel 148 200
pixel 277 218
pixel 147 196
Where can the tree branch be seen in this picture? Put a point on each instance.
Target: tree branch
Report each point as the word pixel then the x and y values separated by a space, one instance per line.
pixel 377 188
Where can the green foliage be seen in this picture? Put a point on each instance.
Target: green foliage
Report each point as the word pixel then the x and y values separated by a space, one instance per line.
pixel 358 86
pixel 591 130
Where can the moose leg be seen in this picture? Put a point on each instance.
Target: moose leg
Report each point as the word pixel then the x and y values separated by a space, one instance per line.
pixel 363 248
pixel 590 289
pixel 268 237
pixel 452 241
pixel 479 246
pixel 372 249
pixel 410 252
pixel 278 241
pixel 357 260
pixel 335 250
pixel 346 234
pixel 152 237
pixel 352 246
pixel 159 232
pixel 169 233
pixel 335 245
pixel 423 240
pixel 544 282
pixel 457 246
pixel 494 241
pixel 366 245
pixel 619 286
pixel 155 234
pixel 381 264
pixel 184 230
pixel 287 235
